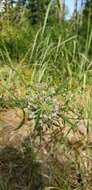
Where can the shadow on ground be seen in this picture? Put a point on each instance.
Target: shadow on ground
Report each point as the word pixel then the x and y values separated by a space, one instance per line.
pixel 19 170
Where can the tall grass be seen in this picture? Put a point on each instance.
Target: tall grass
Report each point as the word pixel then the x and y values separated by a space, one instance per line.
pixel 53 52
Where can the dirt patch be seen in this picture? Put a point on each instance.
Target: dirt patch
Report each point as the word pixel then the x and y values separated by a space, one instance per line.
pixel 10 120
